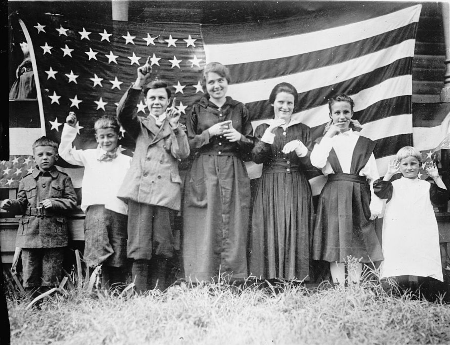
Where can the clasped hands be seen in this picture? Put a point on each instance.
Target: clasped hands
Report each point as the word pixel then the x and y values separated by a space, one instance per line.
pixel 226 129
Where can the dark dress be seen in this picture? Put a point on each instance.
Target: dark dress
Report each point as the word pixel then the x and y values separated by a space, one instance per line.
pixel 216 205
pixel 24 87
pixel 343 227
pixel 283 209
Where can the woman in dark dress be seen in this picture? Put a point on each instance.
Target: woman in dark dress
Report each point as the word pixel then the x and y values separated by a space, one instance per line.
pixel 217 187
pixel 283 208
pixel 24 87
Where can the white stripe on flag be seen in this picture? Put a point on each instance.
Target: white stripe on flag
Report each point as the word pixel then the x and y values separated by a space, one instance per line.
pixel 245 52
pixel 388 127
pixel 390 88
pixel 325 76
pixel 21 140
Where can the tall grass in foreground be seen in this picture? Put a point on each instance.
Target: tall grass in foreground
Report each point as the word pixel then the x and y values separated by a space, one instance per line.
pixel 224 314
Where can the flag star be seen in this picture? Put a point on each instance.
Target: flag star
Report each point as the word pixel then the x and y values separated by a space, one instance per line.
pixel 195 61
pixel 154 60
pixel 91 54
pixel 51 73
pixel 171 41
pixel 40 28
pixel 175 62
pixel 419 175
pixel 9 181
pixel 182 108
pixel 429 154
pixel 55 98
pixel 179 87
pixel 190 41
pixel 30 170
pixel 97 80
pixel 122 131
pixel 18 171
pixel 75 101
pixel 128 38
pixel 78 127
pixel 111 57
pixel 100 104
pixel 198 87
pixel 47 48
pixel 27 160
pixel 141 107
pixel 55 124
pixel 105 36
pixel 134 59
pixel 150 40
pixel 67 51
pixel 6 171
pixel 116 83
pixel 72 77
pixel 15 160
pixel 62 31
pixel 84 34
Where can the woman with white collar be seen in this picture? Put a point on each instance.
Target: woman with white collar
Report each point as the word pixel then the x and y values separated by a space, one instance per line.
pixel 282 208
pixel 347 205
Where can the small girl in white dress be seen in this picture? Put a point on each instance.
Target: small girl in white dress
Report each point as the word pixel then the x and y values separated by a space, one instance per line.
pixel 410 238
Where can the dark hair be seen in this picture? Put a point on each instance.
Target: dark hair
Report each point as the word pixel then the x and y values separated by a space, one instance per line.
pixel 44 141
pixel 340 98
pixel 107 121
pixel 216 67
pixel 157 84
pixel 284 87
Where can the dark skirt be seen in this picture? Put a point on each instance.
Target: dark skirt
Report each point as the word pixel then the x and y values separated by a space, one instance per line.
pixel 150 231
pixel 282 221
pixel 216 215
pixel 105 237
pixel 343 227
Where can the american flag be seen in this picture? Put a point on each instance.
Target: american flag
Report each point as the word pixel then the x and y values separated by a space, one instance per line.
pixel 86 66
pixel 364 50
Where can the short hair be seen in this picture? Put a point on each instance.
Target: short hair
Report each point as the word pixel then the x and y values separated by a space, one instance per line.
pixel 284 87
pixel 44 141
pixel 340 98
pixel 216 67
pixel 107 121
pixel 157 84
pixel 408 151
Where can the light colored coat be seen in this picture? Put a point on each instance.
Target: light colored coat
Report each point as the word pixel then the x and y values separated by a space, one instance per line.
pixel 153 177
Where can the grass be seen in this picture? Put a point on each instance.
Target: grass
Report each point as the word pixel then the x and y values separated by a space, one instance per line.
pixel 223 314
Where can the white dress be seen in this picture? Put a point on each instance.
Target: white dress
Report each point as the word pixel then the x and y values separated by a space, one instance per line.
pixel 410 233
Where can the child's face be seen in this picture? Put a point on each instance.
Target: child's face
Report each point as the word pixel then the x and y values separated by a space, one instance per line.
pixel 283 106
pixel 107 139
pixel 216 85
pixel 157 101
pixel 341 114
pixel 409 167
pixel 45 157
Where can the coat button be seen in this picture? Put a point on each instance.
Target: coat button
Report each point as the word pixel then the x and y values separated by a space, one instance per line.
pixel 220 143
pixel 148 158
pixel 284 133
pixel 159 176
pixel 288 170
pixel 288 162
pixel 145 174
pixel 219 153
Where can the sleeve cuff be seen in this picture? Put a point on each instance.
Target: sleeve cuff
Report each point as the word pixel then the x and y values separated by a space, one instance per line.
pixel 301 150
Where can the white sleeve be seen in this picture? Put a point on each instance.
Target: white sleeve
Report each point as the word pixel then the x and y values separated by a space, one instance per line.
pixel 66 151
pixel 268 137
pixel 371 172
pixel 320 153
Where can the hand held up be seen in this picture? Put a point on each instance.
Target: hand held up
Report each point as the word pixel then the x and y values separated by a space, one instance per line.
pixel 71 119
pixel 6 204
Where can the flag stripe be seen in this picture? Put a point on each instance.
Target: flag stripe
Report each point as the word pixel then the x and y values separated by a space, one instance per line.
pixel 329 75
pixel 268 69
pixel 390 145
pixel 250 51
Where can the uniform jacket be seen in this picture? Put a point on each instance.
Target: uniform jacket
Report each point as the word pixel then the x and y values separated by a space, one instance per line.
pixel 39 228
pixel 153 177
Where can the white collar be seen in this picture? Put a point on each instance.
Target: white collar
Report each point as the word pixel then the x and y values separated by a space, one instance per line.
pixel 160 119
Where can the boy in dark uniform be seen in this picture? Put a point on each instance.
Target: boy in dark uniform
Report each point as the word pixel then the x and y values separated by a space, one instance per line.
pixel 44 198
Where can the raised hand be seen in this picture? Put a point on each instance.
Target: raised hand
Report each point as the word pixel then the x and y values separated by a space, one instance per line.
pixel 144 74
pixel 47 203
pixel 6 204
pixel 71 119
pixel 432 170
pixel 332 130
pixel 291 146
pixel 173 114
pixel 357 126
pixel 232 135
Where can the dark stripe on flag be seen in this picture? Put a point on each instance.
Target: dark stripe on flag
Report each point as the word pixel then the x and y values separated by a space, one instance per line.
pixel 390 145
pixel 385 108
pixel 258 70
pixel 316 16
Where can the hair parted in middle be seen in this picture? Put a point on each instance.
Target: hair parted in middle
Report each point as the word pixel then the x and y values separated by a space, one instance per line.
pixel 284 87
pixel 408 151
pixel 340 98
pixel 215 67
pixel 107 121
pixel 157 84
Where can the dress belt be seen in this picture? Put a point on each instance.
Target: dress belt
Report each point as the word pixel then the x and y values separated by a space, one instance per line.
pixel 38 212
pixel 347 177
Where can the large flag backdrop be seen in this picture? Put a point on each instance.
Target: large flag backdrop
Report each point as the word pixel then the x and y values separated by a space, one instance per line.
pixel 365 51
